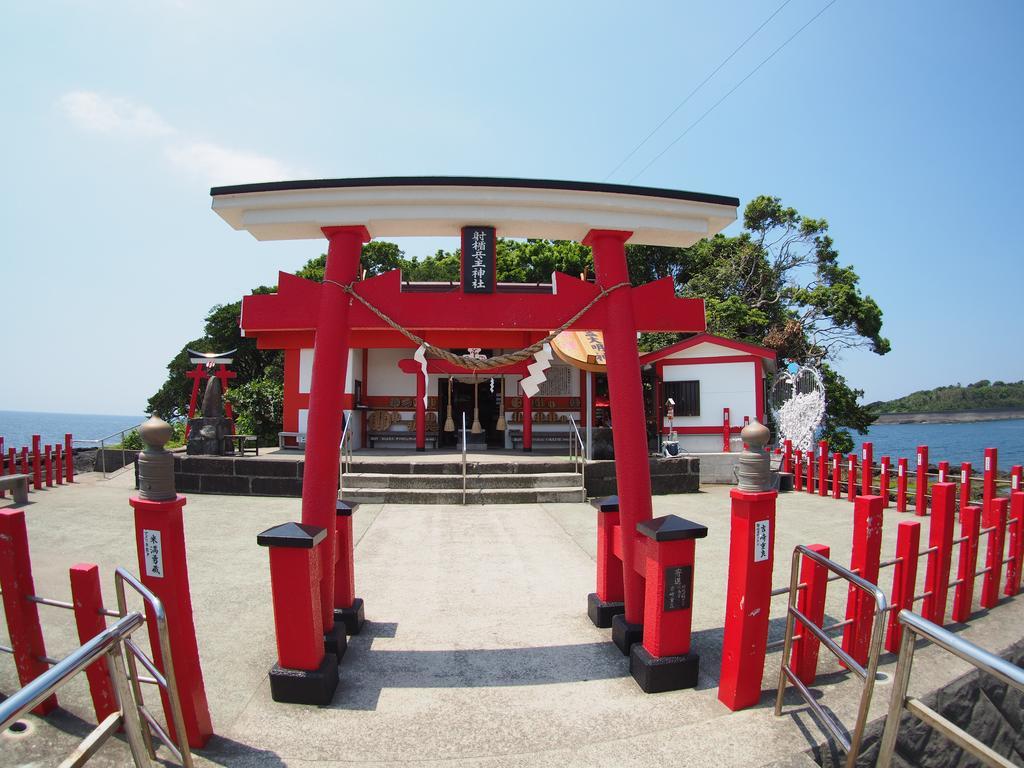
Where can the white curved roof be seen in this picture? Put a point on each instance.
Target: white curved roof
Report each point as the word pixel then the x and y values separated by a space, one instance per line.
pixel 439 205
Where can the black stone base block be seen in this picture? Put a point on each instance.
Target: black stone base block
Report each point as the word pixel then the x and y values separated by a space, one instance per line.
pixel 351 618
pixel 335 641
pixel 602 613
pixel 300 686
pixel 669 673
pixel 626 635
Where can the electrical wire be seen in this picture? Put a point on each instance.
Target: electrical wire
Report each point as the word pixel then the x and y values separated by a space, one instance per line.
pixel 731 91
pixel 691 94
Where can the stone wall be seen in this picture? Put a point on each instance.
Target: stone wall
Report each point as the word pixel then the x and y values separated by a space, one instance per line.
pixel 237 476
pixel 676 475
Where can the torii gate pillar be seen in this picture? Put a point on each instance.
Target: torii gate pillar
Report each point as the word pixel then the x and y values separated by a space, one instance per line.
pixel 323 433
pixel 629 436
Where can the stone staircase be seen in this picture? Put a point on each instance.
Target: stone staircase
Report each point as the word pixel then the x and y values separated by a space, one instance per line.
pixel 441 483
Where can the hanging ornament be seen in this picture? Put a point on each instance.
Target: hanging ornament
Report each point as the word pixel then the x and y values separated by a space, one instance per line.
pixel 477 429
pixel 797 401
pixel 449 423
pixel 500 426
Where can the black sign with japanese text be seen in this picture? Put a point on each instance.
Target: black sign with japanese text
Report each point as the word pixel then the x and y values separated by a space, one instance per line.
pixel 478 244
pixel 678 587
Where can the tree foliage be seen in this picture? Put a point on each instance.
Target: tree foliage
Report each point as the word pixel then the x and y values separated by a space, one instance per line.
pixel 258 405
pixel 980 395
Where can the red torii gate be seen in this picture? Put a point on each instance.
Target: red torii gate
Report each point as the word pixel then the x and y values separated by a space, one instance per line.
pixel 603 217
pixel 204 362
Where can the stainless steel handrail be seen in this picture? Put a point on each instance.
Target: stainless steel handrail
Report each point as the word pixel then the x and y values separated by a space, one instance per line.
pixel 463 459
pixel 867 674
pixel 159 617
pixel 915 626
pixel 108 642
pixel 578 455
pixel 344 453
pixel 102 447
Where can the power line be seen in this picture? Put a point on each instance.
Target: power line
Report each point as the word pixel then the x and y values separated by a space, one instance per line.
pixel 694 91
pixel 696 122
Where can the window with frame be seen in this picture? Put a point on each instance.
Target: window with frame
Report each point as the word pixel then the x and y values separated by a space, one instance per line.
pixel 686 395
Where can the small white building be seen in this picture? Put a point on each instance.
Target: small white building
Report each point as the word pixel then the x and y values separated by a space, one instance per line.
pixel 717 384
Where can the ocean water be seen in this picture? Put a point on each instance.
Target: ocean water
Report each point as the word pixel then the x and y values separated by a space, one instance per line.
pixel 17 427
pixel 954 443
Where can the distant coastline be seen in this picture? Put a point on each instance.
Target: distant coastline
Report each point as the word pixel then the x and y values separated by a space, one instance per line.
pixel 950 417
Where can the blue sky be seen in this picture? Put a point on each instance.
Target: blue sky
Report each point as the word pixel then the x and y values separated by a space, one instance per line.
pixel 900 123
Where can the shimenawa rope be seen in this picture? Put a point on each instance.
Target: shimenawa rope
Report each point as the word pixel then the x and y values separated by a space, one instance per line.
pixel 473 364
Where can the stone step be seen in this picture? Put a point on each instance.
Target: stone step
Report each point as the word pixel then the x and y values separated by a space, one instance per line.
pixel 473 495
pixel 413 467
pixel 417 482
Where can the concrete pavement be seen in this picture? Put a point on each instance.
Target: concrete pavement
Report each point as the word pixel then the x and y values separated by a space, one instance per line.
pixel 477 650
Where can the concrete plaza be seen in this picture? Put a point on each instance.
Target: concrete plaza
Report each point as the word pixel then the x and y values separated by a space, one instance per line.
pixel 477 649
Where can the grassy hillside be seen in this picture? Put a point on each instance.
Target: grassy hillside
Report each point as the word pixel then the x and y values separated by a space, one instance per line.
pixel 981 395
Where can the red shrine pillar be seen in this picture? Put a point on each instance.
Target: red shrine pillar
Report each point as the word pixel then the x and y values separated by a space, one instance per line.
pixel 527 422
pixel 323 432
pixel 625 393
pixel 197 374
pixel 421 410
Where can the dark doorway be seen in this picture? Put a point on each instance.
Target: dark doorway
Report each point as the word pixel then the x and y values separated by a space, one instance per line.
pixel 462 403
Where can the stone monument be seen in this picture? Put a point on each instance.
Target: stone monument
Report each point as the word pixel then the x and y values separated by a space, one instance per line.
pixel 207 433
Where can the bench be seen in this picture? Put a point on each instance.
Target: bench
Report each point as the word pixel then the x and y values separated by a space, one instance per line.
pixel 400 438
pixel 241 442
pixel 298 440
pixel 17 485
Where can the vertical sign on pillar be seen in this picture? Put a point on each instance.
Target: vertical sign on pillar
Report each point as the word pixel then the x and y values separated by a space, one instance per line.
pixel 478 250
pixel 725 430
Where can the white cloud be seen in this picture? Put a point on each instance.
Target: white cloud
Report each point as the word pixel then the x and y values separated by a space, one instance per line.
pixel 105 114
pixel 209 161
pixel 222 165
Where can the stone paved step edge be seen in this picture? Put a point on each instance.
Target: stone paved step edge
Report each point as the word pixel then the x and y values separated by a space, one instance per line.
pixel 455 467
pixel 417 482
pixel 473 495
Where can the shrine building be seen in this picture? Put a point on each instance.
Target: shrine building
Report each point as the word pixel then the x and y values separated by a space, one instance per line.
pixel 387 392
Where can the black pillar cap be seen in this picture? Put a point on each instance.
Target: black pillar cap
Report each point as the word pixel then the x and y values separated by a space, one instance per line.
pixel 296 535
pixel 345 508
pixel 672 528
pixel 607 504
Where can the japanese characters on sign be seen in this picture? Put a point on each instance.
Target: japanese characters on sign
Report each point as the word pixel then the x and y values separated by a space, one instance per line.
pixel 761 541
pixel 478 244
pixel 153 553
pixel 678 587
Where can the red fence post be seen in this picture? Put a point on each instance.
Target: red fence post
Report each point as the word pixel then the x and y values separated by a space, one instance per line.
pixel 49 466
pixel 725 430
pixel 12 468
pixel 1016 548
pixel 904 578
pixel 967 566
pixel 823 467
pixel 810 472
pixel 988 488
pixel 304 673
pixel 69 458
pixel 864 560
pixel 37 467
pixel 663 662
pixel 851 477
pixel 749 596
pixel 995 519
pixel 608 601
pixel 22 614
pixel 965 485
pixel 837 475
pixel 527 424
pixel 1016 473
pixel 787 455
pixel 798 475
pixel 24 460
pixel 163 569
pixel 87 598
pixel 883 481
pixel 921 498
pixel 901 485
pixel 868 458
pixel 811 603
pixel 58 461
pixel 943 471
pixel 3 493
pixel 348 609
pixel 940 536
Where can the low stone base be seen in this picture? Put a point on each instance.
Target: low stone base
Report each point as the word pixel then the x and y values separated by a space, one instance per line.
pixel 602 613
pixel 626 635
pixel 336 641
pixel 676 475
pixel 668 673
pixel 301 686
pixel 352 619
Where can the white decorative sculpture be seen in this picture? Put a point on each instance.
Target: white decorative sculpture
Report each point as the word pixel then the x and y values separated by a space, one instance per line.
pixel 797 401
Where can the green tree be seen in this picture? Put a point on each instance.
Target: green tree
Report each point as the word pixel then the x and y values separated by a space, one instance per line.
pixel 258 406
